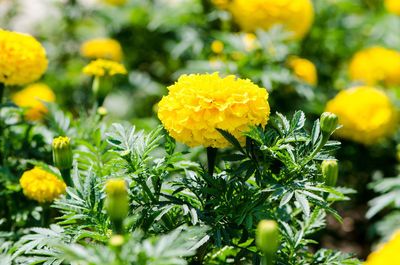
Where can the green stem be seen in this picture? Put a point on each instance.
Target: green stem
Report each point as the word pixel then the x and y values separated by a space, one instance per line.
pixel 1 124
pixel 267 259
pixel 206 6
pixel 118 227
pixel 45 218
pixel 25 144
pixel 66 175
pixel 324 140
pixel 1 92
pixel 211 156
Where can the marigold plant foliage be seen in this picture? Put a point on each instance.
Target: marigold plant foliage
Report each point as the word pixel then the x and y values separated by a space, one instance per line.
pixel 387 254
pixel 303 69
pixel 366 113
pixel 198 104
pixel 31 97
pixel 393 6
pixel 102 48
pixel 40 185
pixel 376 65
pixel 296 16
pixel 101 67
pixel 22 58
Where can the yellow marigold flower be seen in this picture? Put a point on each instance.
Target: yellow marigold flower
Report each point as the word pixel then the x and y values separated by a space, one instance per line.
pixel 115 2
pixel 393 6
pixel 217 46
pixel 198 104
pixel 30 97
pixel 22 58
pixel 303 69
pixel 102 48
pixel 221 4
pixel 387 254
pixel 40 185
pixel 296 16
pixel 102 67
pixel 366 113
pixel 376 65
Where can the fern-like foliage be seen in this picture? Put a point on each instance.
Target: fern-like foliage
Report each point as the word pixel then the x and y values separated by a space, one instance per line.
pixel 169 249
pixel 82 208
pixel 36 247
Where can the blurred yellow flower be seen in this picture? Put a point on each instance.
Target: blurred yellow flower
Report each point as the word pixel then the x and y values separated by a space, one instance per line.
pixel 115 2
pixel 393 6
pixel 102 48
pixel 221 4
pixel 30 97
pixel 295 16
pixel 217 46
pixel 376 65
pixel 198 104
pixel 116 187
pixel 102 67
pixel 22 58
pixel 303 69
pixel 386 254
pixel 40 185
pixel 366 113
pixel 250 42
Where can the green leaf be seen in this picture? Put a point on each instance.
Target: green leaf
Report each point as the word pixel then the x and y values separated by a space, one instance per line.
pixel 297 121
pixel 304 204
pixel 230 138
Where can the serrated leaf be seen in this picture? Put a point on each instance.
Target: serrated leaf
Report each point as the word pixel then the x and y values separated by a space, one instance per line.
pixel 304 204
pixel 230 138
pixel 297 121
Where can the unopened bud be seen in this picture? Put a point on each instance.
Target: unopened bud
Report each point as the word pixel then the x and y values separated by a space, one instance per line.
pixel 102 111
pixel 117 205
pixel 62 153
pixel 328 122
pixel 116 240
pixel 267 236
pixel 330 172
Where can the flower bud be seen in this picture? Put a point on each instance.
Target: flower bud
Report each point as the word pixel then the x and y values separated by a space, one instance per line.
pixel 328 122
pixel 330 172
pixel 62 153
pixel 267 236
pixel 102 111
pixel 117 205
pixel 116 240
